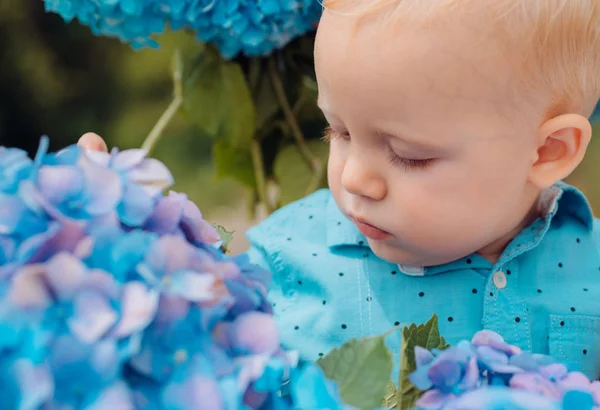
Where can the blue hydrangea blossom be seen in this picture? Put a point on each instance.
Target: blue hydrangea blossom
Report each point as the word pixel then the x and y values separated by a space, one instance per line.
pixel 489 373
pixel 252 27
pixel 115 295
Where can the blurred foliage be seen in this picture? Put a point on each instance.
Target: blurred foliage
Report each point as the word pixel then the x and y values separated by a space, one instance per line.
pixel 251 122
pixel 60 80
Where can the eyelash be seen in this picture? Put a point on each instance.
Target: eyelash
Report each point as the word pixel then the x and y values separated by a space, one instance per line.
pixel 393 158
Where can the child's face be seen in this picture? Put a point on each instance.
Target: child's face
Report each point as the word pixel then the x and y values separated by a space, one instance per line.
pixel 426 146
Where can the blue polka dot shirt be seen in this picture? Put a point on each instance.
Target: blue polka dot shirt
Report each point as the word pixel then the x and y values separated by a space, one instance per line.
pixel 543 294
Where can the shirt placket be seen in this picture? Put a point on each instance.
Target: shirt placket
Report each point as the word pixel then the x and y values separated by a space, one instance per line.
pixel 505 310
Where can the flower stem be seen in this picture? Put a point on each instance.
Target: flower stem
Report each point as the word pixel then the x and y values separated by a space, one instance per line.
pixel 169 113
pixel 259 174
pixel 288 112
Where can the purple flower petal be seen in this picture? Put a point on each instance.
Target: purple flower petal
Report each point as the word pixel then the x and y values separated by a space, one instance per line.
pixel 93 317
pixel 136 206
pixel 501 398
pixel 433 399
pixel 422 356
pixel 254 333
pixel 99 157
pixel 28 288
pixel 575 381
pixel 196 392
pixel 595 390
pixel 58 238
pixel 555 371
pixel 535 382
pixel 195 227
pixel 196 287
pixel 171 308
pixel 494 340
pixel 172 253
pixel 65 275
pixel 471 377
pixel 420 378
pixel 138 308
pixel 167 214
pixel 104 187
pixel 153 175
pixel 445 374
pixel 35 383
pixel 128 159
pixel 251 369
pixel 60 184
pixel 101 282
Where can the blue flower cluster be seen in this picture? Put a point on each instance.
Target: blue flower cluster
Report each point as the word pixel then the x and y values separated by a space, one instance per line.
pixel 115 296
pixel 488 373
pixel 254 27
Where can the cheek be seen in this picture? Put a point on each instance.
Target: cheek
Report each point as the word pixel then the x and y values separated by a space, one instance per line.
pixel 335 167
pixel 459 204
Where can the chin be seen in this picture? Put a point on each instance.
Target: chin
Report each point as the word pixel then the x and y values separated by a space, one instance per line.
pixel 394 254
pixel 402 256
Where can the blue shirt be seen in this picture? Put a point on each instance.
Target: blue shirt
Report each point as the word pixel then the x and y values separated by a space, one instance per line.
pixel 543 294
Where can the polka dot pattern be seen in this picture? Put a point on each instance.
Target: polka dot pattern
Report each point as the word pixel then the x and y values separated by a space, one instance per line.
pixel 347 289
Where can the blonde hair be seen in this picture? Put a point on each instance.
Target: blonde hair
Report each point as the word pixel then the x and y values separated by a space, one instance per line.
pixel 559 39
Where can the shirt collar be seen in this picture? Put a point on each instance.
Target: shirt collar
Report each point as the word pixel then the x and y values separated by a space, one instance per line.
pixel 559 201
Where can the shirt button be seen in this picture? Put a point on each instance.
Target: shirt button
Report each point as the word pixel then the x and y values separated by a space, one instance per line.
pixel 499 280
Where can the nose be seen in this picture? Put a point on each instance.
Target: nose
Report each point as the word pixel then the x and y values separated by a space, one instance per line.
pixel 360 178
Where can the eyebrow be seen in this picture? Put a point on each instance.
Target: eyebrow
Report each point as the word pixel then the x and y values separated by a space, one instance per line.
pixel 408 141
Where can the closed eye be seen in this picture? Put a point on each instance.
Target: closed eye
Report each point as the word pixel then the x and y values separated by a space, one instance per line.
pixel 407 163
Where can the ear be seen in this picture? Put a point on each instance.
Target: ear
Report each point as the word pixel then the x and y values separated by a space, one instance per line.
pixel 562 142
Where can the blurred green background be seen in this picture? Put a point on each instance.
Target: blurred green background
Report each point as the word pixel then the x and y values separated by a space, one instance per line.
pixel 60 80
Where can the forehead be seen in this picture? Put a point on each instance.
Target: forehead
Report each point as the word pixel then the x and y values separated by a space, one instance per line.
pixel 434 67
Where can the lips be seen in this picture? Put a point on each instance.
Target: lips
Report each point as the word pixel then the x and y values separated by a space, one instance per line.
pixel 369 230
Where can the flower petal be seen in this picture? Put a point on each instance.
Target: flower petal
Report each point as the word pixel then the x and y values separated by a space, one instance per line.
pixel 11 212
pixel 196 392
pixel 167 214
pixel 65 275
pixel 103 187
pixel 153 175
pixel 93 317
pixel 433 399
pixel 445 374
pixel 195 227
pixel 35 383
pixel 138 308
pixel 60 184
pixel 28 289
pixel 422 356
pixel 254 333
pixel 128 159
pixel 117 397
pixel 136 206
pixel 194 286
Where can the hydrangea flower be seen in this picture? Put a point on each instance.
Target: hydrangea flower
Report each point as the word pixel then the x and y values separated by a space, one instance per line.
pixel 250 27
pixel 488 373
pixel 114 295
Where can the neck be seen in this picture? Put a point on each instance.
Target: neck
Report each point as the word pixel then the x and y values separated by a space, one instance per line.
pixel 493 251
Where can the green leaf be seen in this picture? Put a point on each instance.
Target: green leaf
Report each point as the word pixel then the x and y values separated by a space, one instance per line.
pixel 390 400
pixel 226 237
pixel 427 336
pixel 234 162
pixel 293 173
pixel 265 101
pixel 217 99
pixel 362 370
